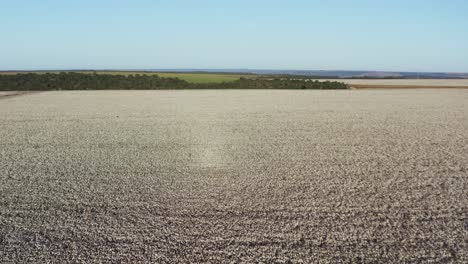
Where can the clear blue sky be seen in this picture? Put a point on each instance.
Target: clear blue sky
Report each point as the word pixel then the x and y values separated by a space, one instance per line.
pixel 399 35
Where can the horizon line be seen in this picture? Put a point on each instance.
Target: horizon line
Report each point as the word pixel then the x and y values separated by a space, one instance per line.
pixel 239 70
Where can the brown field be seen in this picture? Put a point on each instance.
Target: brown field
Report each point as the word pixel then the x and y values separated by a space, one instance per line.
pixel 231 176
pixel 405 83
pixel 389 86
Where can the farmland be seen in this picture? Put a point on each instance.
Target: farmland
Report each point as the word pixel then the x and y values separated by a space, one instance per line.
pixel 205 77
pixel 405 83
pixel 217 78
pixel 199 77
pixel 83 81
pixel 234 176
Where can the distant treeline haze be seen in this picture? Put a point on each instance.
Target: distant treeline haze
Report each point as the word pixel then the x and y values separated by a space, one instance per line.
pixel 82 81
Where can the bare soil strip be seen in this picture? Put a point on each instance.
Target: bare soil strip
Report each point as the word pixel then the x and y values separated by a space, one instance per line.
pixel 389 86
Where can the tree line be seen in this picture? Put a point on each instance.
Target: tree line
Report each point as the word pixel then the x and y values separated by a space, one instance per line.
pixel 83 81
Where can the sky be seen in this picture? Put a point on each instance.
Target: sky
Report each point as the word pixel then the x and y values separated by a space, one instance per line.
pixel 397 35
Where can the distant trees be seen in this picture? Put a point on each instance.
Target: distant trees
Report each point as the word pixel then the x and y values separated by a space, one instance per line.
pixel 83 81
